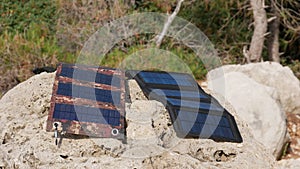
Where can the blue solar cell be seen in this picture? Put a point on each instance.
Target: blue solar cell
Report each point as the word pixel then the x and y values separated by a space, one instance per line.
pixel 190 116
pixel 196 128
pixel 56 114
pixel 105 113
pixel 86 114
pixel 205 125
pixel 226 132
pixel 161 78
pixel 187 115
pixel 67 72
pixel 90 76
pixel 107 96
pixel 180 93
pixel 193 104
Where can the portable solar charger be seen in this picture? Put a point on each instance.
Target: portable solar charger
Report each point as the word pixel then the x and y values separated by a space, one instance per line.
pixel 91 101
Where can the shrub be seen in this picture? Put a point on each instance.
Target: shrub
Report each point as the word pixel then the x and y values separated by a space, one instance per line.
pixel 22 52
pixel 17 16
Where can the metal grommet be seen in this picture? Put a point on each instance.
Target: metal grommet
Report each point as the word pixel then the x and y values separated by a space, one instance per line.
pixel 114 132
pixel 55 124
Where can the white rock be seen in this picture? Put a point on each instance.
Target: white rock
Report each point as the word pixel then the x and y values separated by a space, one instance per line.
pixel 28 145
pixel 144 111
pixel 274 75
pixel 135 93
pixel 256 104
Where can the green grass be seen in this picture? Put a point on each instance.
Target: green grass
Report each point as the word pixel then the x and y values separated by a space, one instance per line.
pixel 29 49
pixel 17 16
pixel 173 59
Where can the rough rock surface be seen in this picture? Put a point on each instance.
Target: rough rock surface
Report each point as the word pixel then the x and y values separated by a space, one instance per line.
pixel 274 75
pixel 26 144
pixel 257 105
pixel 289 164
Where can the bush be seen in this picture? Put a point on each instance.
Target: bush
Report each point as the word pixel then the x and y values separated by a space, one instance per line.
pixel 17 16
pixel 20 53
pixel 225 23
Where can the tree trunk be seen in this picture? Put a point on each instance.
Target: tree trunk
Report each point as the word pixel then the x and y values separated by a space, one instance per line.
pixel 273 39
pixel 260 28
pixel 168 23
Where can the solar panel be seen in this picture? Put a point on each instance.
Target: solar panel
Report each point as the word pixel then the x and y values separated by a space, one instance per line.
pixel 217 126
pixel 88 101
pixel 193 112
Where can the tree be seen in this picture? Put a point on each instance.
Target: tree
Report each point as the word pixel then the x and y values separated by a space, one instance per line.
pixel 260 29
pixel 168 23
pixel 273 38
pixel 288 12
pixel 285 13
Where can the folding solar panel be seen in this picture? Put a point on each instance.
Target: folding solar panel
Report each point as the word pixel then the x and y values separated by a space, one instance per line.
pixel 88 101
pixel 193 112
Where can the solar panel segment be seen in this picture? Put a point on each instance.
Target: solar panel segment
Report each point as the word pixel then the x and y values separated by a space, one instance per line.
pixel 180 94
pixel 217 126
pixel 86 114
pixel 76 91
pixel 166 80
pixel 193 104
pixel 89 76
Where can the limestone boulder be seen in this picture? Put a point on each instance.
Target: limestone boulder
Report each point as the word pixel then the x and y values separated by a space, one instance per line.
pixel 257 105
pixel 274 75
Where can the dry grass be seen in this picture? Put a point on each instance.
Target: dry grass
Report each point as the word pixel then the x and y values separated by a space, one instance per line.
pixel 79 19
pixel 21 53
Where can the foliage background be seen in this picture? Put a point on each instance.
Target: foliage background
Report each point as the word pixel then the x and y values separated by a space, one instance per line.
pixel 45 32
